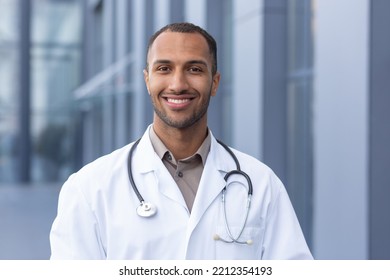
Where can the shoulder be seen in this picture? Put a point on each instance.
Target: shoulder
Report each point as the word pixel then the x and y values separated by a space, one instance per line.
pixel 106 164
pixel 257 168
pixel 252 165
pixel 268 189
pixel 248 163
pixel 107 173
pixel 99 174
pixel 262 176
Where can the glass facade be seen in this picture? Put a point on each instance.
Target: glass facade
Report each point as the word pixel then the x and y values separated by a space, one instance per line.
pixel 105 99
pixel 9 88
pixel 299 111
pixel 219 23
pixel 55 71
pixel 52 71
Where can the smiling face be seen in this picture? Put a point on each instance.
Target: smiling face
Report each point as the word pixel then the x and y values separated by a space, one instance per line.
pixel 179 79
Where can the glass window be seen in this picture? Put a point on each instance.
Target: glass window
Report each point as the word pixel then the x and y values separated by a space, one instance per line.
pixel 299 106
pixel 9 81
pixel 55 58
pixel 219 25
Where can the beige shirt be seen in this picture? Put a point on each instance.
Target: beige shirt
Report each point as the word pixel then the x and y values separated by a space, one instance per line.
pixel 186 172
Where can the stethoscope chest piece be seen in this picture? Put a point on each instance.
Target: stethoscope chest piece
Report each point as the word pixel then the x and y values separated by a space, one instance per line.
pixel 146 209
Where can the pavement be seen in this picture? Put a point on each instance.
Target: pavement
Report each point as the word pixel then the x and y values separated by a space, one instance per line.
pixel 26 215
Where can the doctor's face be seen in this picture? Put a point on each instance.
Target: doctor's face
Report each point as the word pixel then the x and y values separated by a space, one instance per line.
pixel 179 79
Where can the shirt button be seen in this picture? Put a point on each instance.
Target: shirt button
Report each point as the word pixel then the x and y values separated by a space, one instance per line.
pixel 169 157
pixel 180 174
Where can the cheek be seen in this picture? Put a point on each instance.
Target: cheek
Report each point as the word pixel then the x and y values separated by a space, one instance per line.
pixel 154 90
pixel 155 85
pixel 150 87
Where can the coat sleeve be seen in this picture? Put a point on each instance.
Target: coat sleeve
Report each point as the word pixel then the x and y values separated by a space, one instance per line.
pixel 75 231
pixel 283 237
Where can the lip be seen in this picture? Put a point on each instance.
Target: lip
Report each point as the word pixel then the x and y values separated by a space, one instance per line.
pixel 178 102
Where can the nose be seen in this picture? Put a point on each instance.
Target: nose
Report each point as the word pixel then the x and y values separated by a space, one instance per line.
pixel 178 82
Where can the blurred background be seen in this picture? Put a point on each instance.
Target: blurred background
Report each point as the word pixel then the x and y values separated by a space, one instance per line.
pixel 305 88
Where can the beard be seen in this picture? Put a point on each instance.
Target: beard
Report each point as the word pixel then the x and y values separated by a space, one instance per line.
pixel 187 122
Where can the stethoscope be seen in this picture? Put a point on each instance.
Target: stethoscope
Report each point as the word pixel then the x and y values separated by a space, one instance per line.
pixel 147 209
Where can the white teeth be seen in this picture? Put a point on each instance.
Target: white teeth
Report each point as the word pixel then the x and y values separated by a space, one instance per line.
pixel 177 101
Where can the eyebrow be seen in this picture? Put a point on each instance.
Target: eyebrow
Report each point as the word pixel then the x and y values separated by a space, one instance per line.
pixel 166 61
pixel 162 61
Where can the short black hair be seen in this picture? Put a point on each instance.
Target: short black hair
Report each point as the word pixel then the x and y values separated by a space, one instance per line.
pixel 186 27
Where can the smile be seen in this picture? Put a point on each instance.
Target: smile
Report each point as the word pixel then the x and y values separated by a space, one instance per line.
pixel 178 101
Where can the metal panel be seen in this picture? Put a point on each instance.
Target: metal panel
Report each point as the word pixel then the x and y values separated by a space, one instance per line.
pixel 177 11
pixel 215 25
pixel 24 121
pixel 275 86
pixel 379 130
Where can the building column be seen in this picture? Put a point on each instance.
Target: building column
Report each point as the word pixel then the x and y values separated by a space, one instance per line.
pixel 379 159
pixel 247 87
pixel 275 86
pixel 340 125
pixel 24 97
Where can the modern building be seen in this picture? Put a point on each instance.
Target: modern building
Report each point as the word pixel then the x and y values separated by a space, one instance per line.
pixel 305 88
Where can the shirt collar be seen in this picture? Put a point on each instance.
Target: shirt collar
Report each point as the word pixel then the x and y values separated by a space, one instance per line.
pixel 161 149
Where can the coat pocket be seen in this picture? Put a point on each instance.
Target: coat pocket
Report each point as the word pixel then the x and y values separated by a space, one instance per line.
pixel 250 246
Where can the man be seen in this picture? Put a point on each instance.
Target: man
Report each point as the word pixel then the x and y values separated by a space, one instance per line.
pixel 181 169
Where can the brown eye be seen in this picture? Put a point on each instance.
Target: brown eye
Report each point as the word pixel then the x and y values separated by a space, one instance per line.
pixel 195 69
pixel 163 69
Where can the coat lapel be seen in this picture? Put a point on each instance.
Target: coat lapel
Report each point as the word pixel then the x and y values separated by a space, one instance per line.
pixel 150 165
pixel 211 184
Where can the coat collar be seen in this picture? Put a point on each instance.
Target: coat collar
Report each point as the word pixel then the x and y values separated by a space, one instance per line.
pixel 146 161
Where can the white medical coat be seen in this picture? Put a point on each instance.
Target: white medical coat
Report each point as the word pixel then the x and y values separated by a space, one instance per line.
pixel 97 211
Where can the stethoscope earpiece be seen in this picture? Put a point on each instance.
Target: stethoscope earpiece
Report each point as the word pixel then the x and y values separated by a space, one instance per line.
pixel 216 237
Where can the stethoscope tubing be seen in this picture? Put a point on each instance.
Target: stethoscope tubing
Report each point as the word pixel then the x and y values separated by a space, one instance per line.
pixel 146 209
pixel 235 239
pixel 129 170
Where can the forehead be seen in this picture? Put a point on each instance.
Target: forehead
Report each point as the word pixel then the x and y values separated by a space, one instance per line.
pixel 175 44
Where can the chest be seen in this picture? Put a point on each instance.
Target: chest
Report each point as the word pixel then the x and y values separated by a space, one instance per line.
pixel 174 233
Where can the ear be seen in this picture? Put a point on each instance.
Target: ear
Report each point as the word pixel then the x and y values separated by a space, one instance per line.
pixel 146 79
pixel 215 84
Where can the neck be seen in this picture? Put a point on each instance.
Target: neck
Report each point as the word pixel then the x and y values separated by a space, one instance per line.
pixel 184 142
